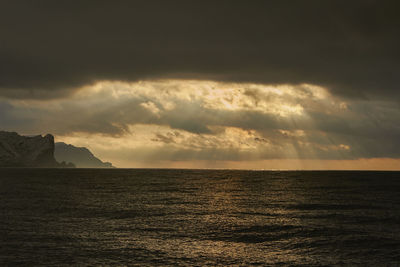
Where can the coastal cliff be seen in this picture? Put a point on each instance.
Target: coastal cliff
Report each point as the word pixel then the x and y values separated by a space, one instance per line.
pixel 26 151
pixel 81 157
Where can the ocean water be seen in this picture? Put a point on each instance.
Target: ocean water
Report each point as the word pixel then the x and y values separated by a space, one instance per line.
pixel 151 217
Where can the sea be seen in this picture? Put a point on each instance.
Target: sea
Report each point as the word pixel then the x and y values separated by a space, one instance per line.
pixel 176 217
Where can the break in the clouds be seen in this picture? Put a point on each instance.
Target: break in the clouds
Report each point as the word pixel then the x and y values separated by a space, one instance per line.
pixel 188 81
pixel 184 120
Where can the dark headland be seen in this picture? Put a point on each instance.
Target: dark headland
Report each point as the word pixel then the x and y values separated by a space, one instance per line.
pixel 41 152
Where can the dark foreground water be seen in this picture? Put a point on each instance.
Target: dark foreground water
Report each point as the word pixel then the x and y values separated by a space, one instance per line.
pixel 197 217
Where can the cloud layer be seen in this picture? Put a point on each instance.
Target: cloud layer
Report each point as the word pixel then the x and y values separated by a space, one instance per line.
pixel 182 120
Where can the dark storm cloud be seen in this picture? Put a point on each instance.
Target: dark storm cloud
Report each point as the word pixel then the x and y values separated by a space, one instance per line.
pixel 350 47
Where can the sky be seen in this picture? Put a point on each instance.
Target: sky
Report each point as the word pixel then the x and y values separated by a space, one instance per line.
pixel 207 84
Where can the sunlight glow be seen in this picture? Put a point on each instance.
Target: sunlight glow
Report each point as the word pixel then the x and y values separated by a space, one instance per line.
pixel 271 99
pixel 175 122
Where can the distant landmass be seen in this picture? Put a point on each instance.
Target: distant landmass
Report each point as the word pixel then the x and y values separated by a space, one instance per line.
pixel 81 157
pixel 28 151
